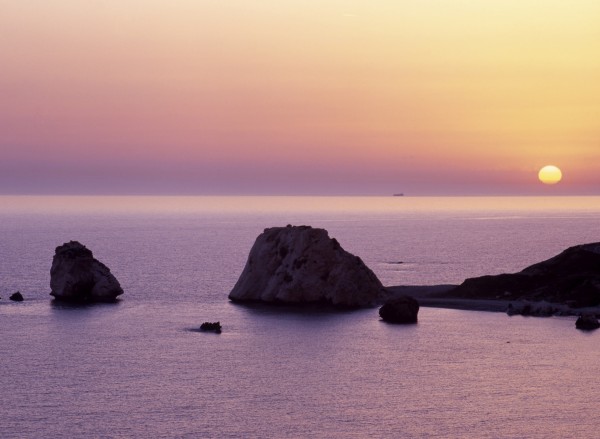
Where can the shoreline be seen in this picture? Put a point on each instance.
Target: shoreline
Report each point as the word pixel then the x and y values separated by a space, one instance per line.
pixel 434 296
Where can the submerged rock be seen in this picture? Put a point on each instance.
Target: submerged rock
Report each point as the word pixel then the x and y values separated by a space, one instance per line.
pixel 16 297
pixel 571 278
pixel 587 322
pixel 76 276
pixel 301 264
pixel 403 309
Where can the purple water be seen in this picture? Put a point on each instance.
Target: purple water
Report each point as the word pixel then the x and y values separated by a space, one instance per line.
pixel 136 369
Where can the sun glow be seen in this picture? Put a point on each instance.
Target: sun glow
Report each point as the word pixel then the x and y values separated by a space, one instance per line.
pixel 334 97
pixel 550 174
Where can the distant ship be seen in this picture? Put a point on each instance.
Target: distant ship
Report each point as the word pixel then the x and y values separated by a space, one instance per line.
pixel 399 195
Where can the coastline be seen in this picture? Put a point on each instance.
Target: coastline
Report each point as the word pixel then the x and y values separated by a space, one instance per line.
pixel 435 296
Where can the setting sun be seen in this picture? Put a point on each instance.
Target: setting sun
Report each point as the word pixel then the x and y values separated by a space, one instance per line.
pixel 550 174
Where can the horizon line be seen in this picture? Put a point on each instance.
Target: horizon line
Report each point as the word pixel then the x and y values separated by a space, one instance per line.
pixel 424 195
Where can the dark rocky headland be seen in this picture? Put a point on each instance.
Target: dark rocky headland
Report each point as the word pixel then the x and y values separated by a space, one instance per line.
pixel 571 278
pixel 566 284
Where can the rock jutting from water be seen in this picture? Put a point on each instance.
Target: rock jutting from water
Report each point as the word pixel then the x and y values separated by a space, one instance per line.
pixel 303 265
pixel 587 322
pixel 403 309
pixel 211 327
pixel 76 276
pixel 16 297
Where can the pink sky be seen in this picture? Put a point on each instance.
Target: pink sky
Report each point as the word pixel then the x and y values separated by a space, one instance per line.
pixel 272 97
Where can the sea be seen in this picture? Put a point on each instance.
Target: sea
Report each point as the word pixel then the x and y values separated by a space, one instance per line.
pixel 140 368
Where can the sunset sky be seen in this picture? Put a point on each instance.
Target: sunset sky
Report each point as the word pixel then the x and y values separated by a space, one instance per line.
pixel 428 97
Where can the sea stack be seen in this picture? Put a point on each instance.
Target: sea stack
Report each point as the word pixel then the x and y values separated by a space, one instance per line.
pixel 303 265
pixel 76 276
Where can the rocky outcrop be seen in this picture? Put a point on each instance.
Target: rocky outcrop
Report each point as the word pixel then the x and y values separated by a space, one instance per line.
pixel 76 276
pixel 571 278
pixel 16 297
pixel 403 309
pixel 587 322
pixel 536 309
pixel 301 264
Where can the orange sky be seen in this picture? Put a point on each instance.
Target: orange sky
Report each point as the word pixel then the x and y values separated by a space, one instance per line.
pixel 328 97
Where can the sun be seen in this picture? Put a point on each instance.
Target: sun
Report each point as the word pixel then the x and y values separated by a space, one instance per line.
pixel 550 174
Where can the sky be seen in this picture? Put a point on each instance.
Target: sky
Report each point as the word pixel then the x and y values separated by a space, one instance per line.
pixel 328 97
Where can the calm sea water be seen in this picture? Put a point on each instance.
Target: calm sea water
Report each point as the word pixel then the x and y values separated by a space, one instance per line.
pixel 137 368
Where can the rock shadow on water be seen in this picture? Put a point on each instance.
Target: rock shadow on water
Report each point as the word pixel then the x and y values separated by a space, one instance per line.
pixel 82 313
pixel 306 320
pixel 301 309
pixel 60 305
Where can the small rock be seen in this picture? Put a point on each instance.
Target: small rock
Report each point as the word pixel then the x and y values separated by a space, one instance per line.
pixel 403 309
pixel 211 326
pixel 16 297
pixel 587 322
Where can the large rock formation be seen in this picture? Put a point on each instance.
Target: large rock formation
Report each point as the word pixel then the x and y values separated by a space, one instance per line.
pixel 571 278
pixel 76 276
pixel 302 264
pixel 402 309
